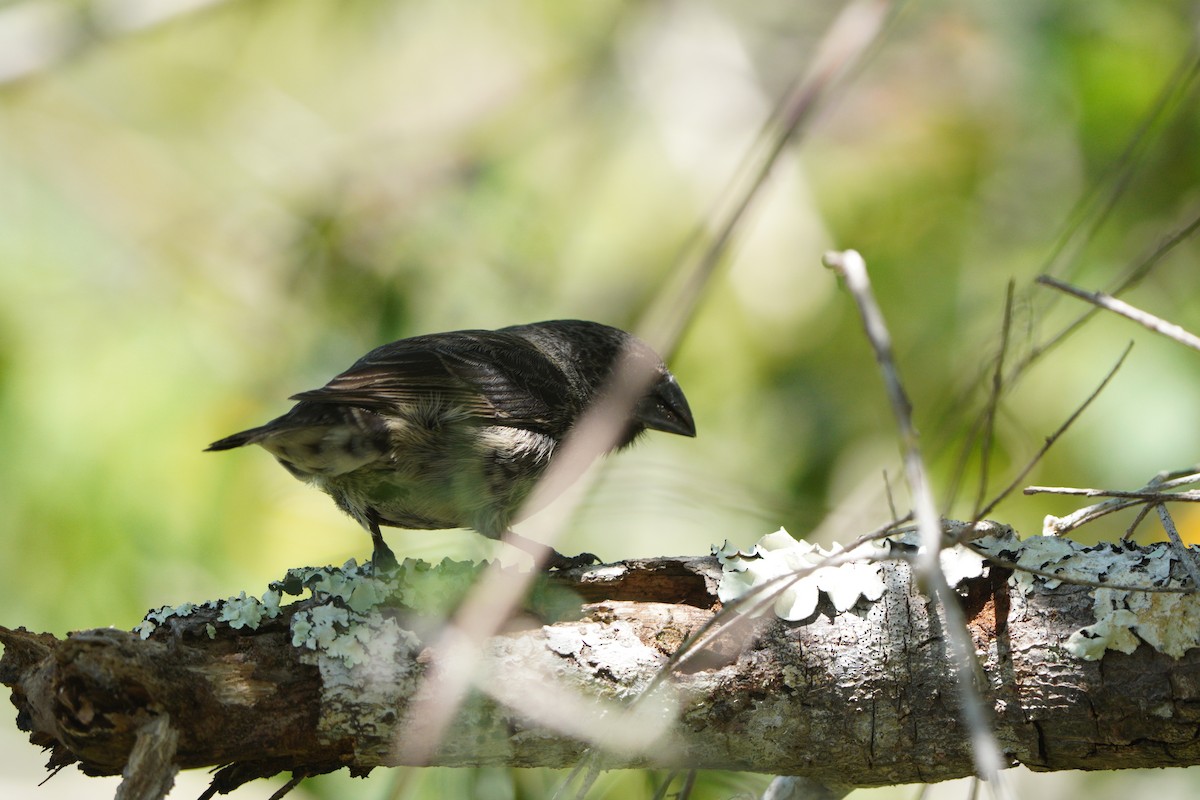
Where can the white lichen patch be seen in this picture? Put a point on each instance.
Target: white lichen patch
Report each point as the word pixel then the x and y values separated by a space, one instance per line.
pixel 1125 616
pixel 1113 629
pixel 1166 622
pixel 790 576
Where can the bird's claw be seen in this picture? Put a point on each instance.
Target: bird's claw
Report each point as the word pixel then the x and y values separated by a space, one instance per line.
pixel 560 562
pixel 384 560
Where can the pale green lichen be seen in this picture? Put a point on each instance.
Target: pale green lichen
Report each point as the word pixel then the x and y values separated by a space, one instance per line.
pixel 414 584
pixel 158 616
pixel 239 612
pixel 245 612
pixel 316 628
pixel 351 624
pixel 1113 630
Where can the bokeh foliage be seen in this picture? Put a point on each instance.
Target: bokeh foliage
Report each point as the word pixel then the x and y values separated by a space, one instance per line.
pixel 204 213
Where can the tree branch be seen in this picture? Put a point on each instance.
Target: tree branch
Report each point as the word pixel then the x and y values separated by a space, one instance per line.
pixel 857 698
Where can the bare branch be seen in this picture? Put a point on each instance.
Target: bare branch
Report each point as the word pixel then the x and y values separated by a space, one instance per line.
pixel 1143 318
pixel 253 700
pixel 1137 495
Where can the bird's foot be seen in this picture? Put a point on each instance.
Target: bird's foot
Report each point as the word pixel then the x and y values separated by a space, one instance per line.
pixel 383 559
pixel 547 556
pixel 557 560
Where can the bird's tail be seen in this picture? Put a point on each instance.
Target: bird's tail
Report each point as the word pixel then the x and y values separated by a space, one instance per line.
pixel 241 439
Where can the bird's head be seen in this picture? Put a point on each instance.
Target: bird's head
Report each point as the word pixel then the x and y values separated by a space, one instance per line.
pixel 602 362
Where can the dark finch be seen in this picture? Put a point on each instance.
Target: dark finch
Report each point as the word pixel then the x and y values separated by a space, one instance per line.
pixel 453 430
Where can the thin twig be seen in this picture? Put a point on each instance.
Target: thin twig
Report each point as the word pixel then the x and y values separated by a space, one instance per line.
pixel 1143 318
pixel 1138 495
pixel 661 792
pixel 1093 208
pixel 853 270
pixel 1054 437
pixel 1185 555
pixel 286 789
pixel 985 749
pixel 1142 513
pixel 841 51
pixel 1154 491
pixel 1135 275
pixel 1178 477
pixel 589 768
pixel 1089 214
pixel 564 786
pixel 685 788
pixel 989 414
pixel 891 500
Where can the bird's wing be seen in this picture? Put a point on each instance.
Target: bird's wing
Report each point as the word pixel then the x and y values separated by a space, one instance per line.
pixel 488 375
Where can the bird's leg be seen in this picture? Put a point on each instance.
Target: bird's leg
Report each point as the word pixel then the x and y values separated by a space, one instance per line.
pixel 547 557
pixel 382 557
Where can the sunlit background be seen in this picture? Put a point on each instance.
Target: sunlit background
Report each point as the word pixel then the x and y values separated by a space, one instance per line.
pixel 208 206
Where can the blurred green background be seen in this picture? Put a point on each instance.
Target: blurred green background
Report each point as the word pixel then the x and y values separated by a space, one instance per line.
pixel 208 206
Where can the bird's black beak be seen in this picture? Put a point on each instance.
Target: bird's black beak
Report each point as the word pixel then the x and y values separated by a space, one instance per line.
pixel 666 409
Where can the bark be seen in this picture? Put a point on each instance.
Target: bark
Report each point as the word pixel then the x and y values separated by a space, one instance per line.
pixel 861 697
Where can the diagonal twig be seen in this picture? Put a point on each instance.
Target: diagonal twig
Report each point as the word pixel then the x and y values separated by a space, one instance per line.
pixel 841 51
pixel 989 414
pixel 985 749
pixel 1054 437
pixel 1143 318
pixel 1185 555
pixel 1094 206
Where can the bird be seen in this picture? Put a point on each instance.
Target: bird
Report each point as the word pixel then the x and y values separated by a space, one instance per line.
pixel 455 429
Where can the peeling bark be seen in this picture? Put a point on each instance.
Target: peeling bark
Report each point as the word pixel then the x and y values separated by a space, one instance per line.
pixel 860 698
